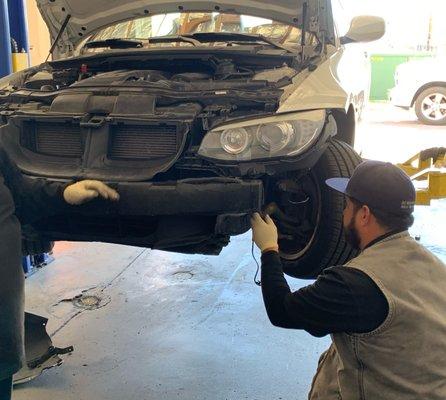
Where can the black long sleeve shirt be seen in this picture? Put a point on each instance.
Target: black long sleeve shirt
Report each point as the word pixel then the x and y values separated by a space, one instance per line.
pixel 340 300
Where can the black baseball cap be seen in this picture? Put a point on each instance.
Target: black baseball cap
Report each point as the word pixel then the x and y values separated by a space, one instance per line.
pixel 380 185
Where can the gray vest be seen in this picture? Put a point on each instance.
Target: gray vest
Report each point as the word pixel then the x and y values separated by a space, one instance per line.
pixel 405 357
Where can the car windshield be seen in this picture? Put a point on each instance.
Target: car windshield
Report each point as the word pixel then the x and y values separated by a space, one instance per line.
pixel 180 24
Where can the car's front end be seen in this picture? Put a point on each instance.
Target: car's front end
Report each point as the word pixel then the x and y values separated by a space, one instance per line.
pixel 213 116
pixel 173 142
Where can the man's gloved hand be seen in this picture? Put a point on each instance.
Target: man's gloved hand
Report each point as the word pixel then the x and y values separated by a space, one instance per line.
pixel 84 191
pixel 264 233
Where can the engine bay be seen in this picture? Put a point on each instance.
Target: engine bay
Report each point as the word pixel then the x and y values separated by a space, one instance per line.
pixel 91 117
pixel 220 87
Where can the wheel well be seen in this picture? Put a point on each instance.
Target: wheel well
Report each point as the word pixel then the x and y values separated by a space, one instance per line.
pixel 424 87
pixel 346 124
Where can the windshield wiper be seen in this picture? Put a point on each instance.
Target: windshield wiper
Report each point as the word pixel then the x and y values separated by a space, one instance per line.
pixel 234 36
pixel 114 44
pixel 173 39
pixel 197 39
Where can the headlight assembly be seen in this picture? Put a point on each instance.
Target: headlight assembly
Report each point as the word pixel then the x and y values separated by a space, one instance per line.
pixel 264 138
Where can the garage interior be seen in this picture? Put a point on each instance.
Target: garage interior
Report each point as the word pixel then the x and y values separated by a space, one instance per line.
pixel 150 324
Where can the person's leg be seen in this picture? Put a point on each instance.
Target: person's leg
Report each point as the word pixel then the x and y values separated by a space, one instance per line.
pixel 6 389
pixel 12 295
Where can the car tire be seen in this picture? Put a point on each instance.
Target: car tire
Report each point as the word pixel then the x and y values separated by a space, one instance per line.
pixel 436 95
pixel 328 246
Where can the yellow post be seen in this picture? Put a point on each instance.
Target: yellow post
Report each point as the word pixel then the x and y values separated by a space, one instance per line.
pixel 19 61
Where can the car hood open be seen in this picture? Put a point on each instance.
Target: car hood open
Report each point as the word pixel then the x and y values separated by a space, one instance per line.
pixel 87 16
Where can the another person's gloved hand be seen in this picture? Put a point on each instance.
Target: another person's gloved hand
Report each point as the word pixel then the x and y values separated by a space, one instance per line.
pixel 264 233
pixel 84 191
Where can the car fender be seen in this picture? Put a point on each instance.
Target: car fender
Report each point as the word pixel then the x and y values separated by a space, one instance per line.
pixel 424 87
pixel 332 85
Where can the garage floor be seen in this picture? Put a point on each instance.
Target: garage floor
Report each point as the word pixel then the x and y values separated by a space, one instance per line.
pixel 171 326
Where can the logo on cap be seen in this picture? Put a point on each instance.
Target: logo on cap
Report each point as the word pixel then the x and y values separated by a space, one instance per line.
pixel 407 205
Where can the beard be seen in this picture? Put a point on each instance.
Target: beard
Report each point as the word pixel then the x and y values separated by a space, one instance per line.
pixel 351 234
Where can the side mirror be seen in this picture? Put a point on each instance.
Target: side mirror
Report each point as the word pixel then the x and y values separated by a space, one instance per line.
pixel 365 29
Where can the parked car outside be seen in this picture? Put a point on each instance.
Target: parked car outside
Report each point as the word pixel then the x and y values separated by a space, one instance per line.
pixel 421 84
pixel 198 115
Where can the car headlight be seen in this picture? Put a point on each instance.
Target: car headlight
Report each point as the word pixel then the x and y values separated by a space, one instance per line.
pixel 235 141
pixel 264 138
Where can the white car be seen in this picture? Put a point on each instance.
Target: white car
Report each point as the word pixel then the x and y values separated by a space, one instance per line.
pixel 422 84
pixel 199 114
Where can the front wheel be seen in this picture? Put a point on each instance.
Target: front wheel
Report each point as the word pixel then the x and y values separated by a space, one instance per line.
pixel 430 106
pixel 309 221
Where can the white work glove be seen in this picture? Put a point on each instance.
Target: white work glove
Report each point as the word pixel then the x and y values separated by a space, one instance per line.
pixel 84 191
pixel 264 233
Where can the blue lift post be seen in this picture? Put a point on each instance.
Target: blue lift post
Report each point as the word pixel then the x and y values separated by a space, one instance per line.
pixel 18 24
pixel 5 40
pixel 13 29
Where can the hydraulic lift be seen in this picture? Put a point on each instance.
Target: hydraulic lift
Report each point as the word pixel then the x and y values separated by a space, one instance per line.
pixel 428 169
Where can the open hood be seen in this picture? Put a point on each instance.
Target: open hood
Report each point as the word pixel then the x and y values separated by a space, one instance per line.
pixel 87 16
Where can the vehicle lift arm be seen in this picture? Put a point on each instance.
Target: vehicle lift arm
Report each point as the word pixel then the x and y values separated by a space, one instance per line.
pixel 428 166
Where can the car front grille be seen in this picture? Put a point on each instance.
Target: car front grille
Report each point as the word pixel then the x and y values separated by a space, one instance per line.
pixel 52 139
pixel 143 142
pixel 157 142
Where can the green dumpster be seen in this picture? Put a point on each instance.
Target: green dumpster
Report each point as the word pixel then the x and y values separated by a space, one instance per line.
pixel 383 72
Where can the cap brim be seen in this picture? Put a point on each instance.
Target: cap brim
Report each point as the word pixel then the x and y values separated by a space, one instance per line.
pixel 338 184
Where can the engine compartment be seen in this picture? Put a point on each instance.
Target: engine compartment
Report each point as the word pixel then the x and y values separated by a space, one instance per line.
pixel 222 87
pixel 183 74
pixel 91 118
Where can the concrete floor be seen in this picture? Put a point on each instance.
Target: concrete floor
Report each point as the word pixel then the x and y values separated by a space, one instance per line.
pixel 186 327
pixel 191 327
